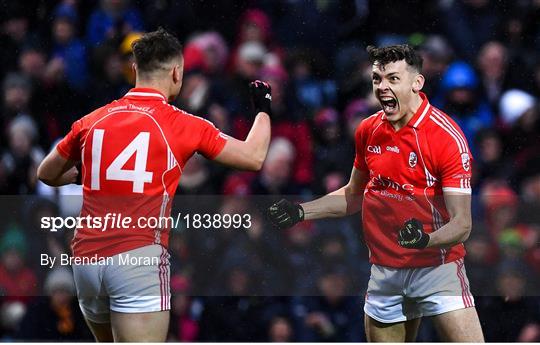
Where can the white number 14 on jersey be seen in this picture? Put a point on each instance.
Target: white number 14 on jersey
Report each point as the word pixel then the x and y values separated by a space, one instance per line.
pixel 139 176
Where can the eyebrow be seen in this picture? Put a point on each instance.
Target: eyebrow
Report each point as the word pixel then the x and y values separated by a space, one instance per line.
pixel 388 75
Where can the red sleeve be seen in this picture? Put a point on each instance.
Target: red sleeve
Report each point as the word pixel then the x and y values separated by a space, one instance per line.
pixel 211 140
pixel 454 163
pixel 360 138
pixel 70 146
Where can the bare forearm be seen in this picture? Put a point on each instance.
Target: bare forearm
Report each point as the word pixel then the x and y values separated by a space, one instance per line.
pixel 258 138
pixel 340 203
pixel 454 232
pixel 68 177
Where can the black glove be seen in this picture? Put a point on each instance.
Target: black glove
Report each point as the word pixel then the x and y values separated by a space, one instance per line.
pixel 284 214
pixel 261 96
pixel 412 235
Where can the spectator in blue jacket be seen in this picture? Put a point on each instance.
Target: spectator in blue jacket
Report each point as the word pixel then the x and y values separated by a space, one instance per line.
pixel 461 100
pixel 113 19
pixel 68 48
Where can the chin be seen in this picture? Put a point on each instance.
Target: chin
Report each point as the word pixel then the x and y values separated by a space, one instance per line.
pixel 393 116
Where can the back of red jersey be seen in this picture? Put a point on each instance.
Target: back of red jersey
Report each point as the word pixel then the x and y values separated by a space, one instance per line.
pixel 133 152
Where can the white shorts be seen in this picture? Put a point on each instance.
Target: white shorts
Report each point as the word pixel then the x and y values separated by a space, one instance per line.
pixel 136 281
pixel 400 294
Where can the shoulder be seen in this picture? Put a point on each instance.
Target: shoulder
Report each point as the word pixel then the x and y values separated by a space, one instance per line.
pixel 370 122
pixel 442 128
pixel 178 114
pixel 443 132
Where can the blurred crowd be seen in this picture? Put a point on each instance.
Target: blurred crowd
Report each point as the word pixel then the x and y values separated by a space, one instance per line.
pixel 62 59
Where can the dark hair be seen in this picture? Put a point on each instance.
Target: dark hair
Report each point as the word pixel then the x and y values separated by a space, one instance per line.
pixel 154 48
pixel 385 55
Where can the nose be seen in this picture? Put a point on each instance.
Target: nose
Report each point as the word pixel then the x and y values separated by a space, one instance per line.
pixel 383 85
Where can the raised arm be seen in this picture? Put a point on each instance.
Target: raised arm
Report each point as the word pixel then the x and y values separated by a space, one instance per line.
pixel 251 153
pixel 345 201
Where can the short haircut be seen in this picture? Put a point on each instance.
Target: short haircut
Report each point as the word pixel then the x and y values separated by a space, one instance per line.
pixel 386 55
pixel 155 48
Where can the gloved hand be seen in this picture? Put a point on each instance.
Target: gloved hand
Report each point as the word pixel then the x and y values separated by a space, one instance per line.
pixel 284 214
pixel 261 96
pixel 412 235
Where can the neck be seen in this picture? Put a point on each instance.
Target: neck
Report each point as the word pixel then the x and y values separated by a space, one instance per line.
pixel 410 109
pixel 150 84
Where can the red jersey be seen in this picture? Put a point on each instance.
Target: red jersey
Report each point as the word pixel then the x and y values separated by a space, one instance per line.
pixel 408 171
pixel 133 151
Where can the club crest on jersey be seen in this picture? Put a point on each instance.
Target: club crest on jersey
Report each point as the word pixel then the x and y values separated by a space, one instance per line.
pixel 413 159
pixel 466 161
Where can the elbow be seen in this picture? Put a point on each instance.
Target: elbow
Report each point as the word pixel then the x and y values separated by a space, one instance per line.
pixel 256 161
pixel 43 176
pixel 255 165
pixel 466 227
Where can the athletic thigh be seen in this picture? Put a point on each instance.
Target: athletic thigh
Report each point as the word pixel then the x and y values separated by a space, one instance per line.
pixel 102 331
pixel 405 331
pixel 460 325
pixel 140 327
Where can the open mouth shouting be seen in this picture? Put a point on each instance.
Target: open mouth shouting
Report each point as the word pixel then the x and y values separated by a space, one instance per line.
pixel 389 104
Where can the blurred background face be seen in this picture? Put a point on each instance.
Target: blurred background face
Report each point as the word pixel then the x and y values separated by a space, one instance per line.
pixel 333 286
pixel 511 285
pixel 490 148
pixel 252 32
pixel 194 91
pixel 279 161
pixel 334 181
pixel 16 28
pixel 114 6
pixel 16 98
pixel 280 330
pixel 114 67
pixel 32 63
pixel 60 297
pixel 477 249
pixel 531 188
pixel 12 260
pixel 278 170
pixel 181 304
pixel 461 96
pixel 238 282
pixel 62 31
pixel 248 69
pixel 492 60
pixel 433 66
pixel 19 141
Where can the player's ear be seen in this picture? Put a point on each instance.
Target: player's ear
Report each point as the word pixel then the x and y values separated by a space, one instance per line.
pixel 134 68
pixel 177 74
pixel 418 83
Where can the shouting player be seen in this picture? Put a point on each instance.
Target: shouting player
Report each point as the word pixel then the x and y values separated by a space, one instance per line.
pixel 411 179
pixel 132 153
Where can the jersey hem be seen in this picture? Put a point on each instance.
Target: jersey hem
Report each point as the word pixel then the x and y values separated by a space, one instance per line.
pixel 110 253
pixel 419 265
